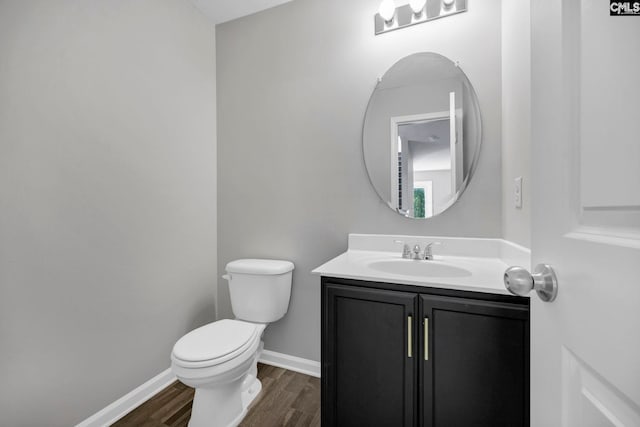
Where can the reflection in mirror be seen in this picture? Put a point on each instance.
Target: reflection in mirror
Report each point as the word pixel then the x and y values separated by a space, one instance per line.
pixel 421 135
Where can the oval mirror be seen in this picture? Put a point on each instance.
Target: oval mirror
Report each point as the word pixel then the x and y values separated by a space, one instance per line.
pixel 421 136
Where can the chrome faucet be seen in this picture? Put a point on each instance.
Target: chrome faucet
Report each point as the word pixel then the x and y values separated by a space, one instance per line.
pixel 416 253
pixel 428 253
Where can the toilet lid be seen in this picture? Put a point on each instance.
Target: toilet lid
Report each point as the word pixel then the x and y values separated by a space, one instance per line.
pixel 214 340
pixel 259 266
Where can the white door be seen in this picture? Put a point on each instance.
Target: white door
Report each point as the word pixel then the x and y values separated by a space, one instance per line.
pixel 585 345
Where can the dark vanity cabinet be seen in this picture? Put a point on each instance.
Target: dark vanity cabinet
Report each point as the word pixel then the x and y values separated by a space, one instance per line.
pixel 367 377
pixel 400 355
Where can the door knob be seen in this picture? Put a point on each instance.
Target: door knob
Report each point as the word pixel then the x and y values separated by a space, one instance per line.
pixel 520 282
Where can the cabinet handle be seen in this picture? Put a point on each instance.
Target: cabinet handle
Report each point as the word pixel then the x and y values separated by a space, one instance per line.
pixel 426 338
pixel 409 336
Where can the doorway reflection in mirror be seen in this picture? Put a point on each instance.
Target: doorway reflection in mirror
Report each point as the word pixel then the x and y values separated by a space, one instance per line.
pixel 427 172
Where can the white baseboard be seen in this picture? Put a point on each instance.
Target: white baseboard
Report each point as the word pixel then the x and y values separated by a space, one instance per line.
pixel 130 401
pixel 292 363
pixel 146 391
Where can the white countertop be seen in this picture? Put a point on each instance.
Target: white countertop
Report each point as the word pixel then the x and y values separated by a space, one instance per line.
pixel 485 259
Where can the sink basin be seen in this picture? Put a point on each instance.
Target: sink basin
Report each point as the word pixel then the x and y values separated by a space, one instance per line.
pixel 407 267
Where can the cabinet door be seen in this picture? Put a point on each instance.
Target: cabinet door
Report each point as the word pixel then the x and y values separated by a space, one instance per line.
pixel 368 357
pixel 475 364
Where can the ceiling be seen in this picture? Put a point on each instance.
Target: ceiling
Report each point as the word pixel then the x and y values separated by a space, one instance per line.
pixel 226 10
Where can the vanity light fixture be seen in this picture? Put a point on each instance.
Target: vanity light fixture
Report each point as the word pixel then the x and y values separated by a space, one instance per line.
pixel 417 6
pixel 390 17
pixel 387 11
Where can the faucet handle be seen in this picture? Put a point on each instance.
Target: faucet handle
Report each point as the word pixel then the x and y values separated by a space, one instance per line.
pixel 428 254
pixel 406 252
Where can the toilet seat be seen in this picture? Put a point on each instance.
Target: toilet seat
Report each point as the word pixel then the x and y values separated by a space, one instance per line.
pixel 215 343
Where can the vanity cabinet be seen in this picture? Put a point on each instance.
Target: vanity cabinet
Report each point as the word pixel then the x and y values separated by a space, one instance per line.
pixel 365 355
pixel 400 355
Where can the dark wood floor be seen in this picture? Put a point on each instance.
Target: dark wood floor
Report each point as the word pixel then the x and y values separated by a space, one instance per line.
pixel 287 399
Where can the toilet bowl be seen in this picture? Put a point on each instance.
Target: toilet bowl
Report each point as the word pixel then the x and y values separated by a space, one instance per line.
pixel 220 359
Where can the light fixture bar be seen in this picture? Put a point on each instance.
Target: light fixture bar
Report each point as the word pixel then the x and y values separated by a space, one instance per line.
pixel 405 17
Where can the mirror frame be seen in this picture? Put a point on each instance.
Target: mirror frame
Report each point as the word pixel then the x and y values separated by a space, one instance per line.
pixel 475 103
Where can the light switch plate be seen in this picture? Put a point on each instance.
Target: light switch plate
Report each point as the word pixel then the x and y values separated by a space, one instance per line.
pixel 517 192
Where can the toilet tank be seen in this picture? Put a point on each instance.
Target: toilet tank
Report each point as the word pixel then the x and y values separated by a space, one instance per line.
pixel 260 289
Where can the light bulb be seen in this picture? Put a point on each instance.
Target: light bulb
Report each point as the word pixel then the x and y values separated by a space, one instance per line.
pixel 448 3
pixel 417 6
pixel 387 10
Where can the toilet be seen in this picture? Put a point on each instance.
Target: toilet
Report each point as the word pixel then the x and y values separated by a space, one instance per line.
pixel 220 359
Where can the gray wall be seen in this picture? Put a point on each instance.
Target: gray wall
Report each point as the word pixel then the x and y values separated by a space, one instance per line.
pixel 516 119
pixel 293 86
pixel 107 199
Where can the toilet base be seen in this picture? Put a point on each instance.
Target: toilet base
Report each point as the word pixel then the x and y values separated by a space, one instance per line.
pixel 225 404
pixel 217 407
pixel 250 394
